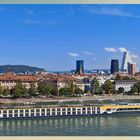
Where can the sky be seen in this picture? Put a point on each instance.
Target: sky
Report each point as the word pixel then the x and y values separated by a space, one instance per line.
pixel 53 37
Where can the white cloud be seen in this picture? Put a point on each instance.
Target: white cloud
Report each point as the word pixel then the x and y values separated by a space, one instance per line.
pixel 88 53
pixel 122 49
pixel 110 49
pixel 134 56
pixel 73 54
pixel 114 11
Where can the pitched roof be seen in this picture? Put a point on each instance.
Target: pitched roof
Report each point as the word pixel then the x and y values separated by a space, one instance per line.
pixel 24 78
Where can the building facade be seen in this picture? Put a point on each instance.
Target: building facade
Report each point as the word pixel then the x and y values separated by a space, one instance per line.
pixel 9 80
pixel 131 68
pixel 126 84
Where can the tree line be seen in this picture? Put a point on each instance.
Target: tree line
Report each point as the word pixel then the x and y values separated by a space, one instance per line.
pixel 70 89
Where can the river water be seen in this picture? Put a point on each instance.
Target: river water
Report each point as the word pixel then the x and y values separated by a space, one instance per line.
pixel 80 126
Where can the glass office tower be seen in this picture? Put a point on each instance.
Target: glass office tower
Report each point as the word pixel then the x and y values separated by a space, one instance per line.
pixel 79 67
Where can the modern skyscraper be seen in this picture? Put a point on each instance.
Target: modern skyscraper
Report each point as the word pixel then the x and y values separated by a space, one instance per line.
pixel 126 59
pixel 114 66
pixel 79 67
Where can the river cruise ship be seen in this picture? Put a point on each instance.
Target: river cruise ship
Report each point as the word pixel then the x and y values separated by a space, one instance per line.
pixel 65 111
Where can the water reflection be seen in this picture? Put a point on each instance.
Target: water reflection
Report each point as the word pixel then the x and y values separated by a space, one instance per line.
pixel 89 126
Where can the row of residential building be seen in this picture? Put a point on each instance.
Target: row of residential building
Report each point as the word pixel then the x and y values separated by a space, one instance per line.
pixel 9 80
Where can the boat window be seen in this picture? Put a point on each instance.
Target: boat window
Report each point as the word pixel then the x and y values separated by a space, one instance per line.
pixel 78 113
pixel 88 108
pixel 27 111
pixel 37 110
pixel 74 109
pixel 10 111
pixel 93 108
pixel 16 111
pixel 93 112
pixel 58 113
pixel 10 115
pixel 32 114
pixel 32 110
pixel 98 112
pixel 73 113
pixel 21 115
pixel 53 113
pixel 63 109
pixel 26 115
pixel 83 112
pixel 43 114
pixel 98 108
pixel 88 112
pixel 5 115
pixel 68 113
pixel 16 115
pixel 37 114
pixel 48 113
pixel 63 113
pixel 5 111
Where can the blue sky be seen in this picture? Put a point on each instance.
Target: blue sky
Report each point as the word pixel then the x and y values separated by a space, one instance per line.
pixel 55 36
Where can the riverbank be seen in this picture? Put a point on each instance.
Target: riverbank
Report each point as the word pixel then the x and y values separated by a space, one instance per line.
pixel 71 99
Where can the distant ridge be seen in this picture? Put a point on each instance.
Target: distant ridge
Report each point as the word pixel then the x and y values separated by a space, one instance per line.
pixel 20 69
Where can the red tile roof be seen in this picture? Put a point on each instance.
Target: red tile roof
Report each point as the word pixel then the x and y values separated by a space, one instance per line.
pixel 24 78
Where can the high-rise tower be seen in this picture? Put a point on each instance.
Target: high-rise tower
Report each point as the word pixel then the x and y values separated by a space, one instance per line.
pixel 126 59
pixel 114 66
pixel 79 67
pixel 131 68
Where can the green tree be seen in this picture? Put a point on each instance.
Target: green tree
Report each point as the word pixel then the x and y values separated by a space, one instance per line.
pixel 79 91
pixel 47 89
pixel 7 91
pixel 136 88
pixel 18 90
pixel 95 86
pixel 64 91
pixel 55 91
pixel 44 88
pixel 108 87
pixel 1 91
pixel 32 90
pixel 25 91
pixel 126 78
pixel 71 87
pixel 118 77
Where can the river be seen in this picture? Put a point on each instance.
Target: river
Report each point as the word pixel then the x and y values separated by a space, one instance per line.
pixel 80 126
